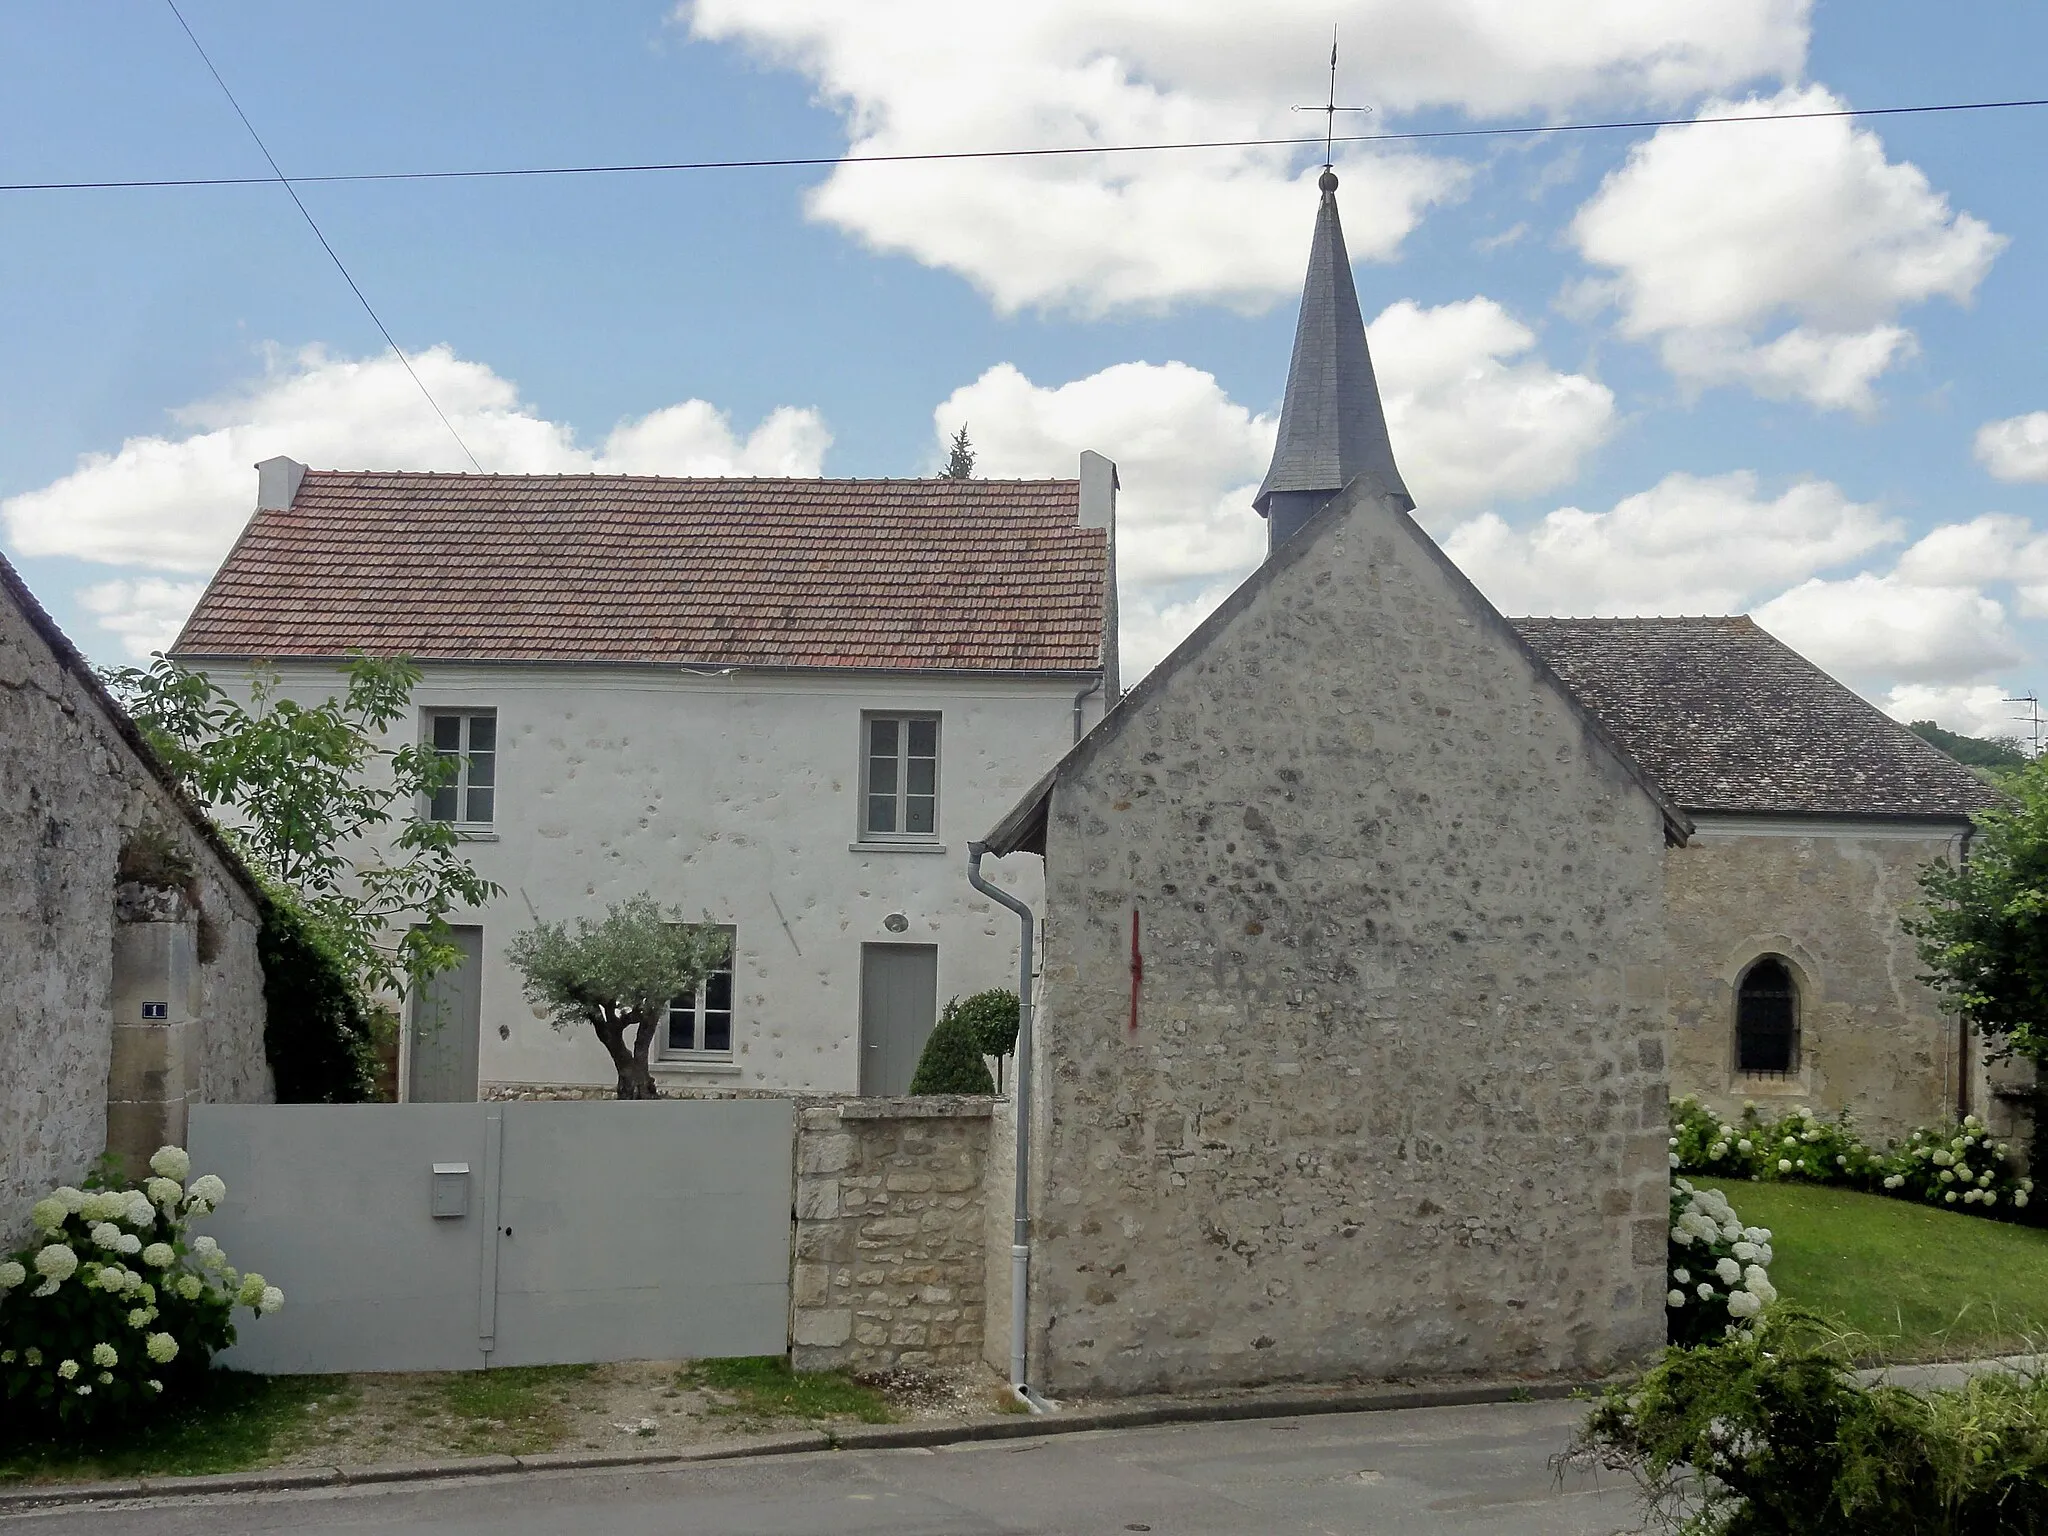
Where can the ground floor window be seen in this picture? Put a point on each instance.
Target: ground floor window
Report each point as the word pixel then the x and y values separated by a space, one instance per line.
pixel 701 1024
pixel 1767 1020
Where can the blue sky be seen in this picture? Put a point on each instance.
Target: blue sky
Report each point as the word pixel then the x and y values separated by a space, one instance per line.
pixel 1759 361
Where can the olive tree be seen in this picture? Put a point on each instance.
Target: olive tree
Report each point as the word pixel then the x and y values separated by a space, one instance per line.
pixel 618 975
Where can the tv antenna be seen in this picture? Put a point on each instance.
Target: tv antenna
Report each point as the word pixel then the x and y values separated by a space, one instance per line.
pixel 2032 717
pixel 1330 109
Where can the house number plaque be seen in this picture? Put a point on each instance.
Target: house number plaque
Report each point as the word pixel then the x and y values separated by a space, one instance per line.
pixel 156 1010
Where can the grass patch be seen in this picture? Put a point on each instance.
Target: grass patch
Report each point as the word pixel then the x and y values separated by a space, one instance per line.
pixel 232 1420
pixel 512 1410
pixel 763 1386
pixel 1922 1284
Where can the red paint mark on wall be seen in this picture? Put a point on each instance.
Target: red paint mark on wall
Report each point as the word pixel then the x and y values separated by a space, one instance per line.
pixel 1137 970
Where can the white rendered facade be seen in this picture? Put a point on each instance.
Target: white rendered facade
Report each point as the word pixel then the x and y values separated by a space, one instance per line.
pixel 735 796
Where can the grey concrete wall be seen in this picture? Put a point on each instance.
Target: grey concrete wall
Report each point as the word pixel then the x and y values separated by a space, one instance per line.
pixel 1396 1101
pixel 71 791
pixel 1874 1041
pixel 890 1233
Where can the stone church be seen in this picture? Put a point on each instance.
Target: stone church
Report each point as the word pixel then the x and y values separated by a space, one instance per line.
pixel 1380 928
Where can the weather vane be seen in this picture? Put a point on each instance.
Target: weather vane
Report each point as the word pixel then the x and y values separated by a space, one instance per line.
pixel 1331 109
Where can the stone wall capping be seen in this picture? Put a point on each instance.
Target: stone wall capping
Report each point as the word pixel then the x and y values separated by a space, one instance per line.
pixel 947 1106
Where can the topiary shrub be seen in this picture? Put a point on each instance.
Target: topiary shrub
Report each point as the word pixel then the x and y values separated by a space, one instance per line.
pixel 952 1062
pixel 316 1032
pixel 992 1015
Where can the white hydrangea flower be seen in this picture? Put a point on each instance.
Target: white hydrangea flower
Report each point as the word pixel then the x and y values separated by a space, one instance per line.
pixel 251 1292
pixel 129 1243
pixel 158 1255
pixel 209 1188
pixel 1705 1291
pixel 1759 1283
pixel 1990 1197
pixel 189 1287
pixel 1745 1251
pixel 1950 1197
pixel 162 1348
pixel 1674 1298
pixel 106 1378
pixel 103 1356
pixel 1745 1145
pixel 67 1369
pixel 11 1275
pixel 32 1356
pixel 1718 1150
pixel 56 1262
pixel 105 1234
pixel 1947 1177
pixel 1682 1276
pixel 1784 1165
pixel 171 1162
pixel 1743 1304
pixel 48 1213
pixel 85 1391
pixel 139 1211
pixel 113 1277
pixel 73 1200
pixel 270 1301
pixel 1674 1159
pixel 154 1385
pixel 139 1317
pixel 2019 1199
pixel 164 1192
pixel 1729 1271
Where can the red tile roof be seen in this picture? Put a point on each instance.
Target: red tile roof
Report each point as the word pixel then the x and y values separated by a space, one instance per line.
pixel 974 575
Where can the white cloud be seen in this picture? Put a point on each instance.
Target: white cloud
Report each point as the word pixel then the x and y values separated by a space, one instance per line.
pixel 1974 709
pixel 1690 544
pixel 175 503
pixel 2015 448
pixel 145 614
pixel 1871 628
pixel 1778 256
pixel 913 76
pixel 1473 418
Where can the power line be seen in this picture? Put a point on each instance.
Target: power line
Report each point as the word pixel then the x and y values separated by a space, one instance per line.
pixel 799 162
pixel 285 182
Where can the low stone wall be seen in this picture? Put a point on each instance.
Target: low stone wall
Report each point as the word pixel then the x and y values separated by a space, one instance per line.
pixel 890 1243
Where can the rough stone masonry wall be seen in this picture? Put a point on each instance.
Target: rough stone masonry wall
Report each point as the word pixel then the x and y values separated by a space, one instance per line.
pixel 71 789
pixel 1395 1104
pixel 889 1247
pixel 1874 1040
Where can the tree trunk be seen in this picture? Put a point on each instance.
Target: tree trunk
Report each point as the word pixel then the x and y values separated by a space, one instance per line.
pixel 611 1034
pixel 643 1042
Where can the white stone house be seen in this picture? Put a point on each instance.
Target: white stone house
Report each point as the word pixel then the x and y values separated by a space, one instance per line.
pixel 783 704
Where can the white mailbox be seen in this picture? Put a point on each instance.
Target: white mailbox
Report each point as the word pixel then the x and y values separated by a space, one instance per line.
pixel 451 1190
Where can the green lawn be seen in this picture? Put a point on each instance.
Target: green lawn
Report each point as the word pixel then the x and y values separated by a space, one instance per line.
pixel 1921 1284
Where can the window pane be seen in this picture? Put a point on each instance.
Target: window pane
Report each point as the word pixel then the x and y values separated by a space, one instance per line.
pixel 924 737
pixel 483 733
pixel 882 776
pixel 682 1024
pixel 881 813
pixel 482 769
pixel 718 991
pixel 717 1031
pixel 920 813
pixel 882 738
pixel 480 805
pixel 442 807
pixel 921 776
pixel 448 733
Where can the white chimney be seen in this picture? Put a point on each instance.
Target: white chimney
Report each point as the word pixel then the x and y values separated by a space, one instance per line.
pixel 1098 490
pixel 277 482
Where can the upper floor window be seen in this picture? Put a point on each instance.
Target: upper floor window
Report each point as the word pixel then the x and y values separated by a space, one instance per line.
pixel 1767 1019
pixel 471 738
pixel 900 776
pixel 701 1023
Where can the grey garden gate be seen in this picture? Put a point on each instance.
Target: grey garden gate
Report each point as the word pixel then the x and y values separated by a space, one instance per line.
pixel 452 1236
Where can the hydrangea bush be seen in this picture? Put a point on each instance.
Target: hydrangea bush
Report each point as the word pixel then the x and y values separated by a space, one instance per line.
pixel 1959 1166
pixel 114 1306
pixel 1720 1269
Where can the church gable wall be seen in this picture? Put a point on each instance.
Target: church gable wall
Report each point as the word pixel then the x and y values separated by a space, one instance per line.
pixel 1873 1039
pixel 1396 1101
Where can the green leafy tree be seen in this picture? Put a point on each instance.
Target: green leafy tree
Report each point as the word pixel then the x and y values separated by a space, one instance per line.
pixel 960 462
pixel 992 1015
pixel 307 792
pixel 951 1060
pixel 618 975
pixel 1993 757
pixel 1983 934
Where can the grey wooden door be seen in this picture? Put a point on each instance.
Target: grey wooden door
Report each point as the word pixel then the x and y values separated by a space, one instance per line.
pixel 446 1014
pixel 899 1002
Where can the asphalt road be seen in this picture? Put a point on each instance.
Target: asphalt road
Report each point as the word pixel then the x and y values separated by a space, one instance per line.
pixel 1472 1470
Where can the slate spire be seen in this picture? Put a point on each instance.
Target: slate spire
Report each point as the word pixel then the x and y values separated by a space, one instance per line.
pixel 1332 427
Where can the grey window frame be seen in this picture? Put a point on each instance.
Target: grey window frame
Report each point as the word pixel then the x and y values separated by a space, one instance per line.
pixel 698 1008
pixel 903 719
pixel 461 787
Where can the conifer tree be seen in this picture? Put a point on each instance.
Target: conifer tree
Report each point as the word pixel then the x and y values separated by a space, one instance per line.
pixel 960 463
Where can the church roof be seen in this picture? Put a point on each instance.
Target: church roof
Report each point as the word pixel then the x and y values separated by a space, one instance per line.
pixel 1333 428
pixel 949 575
pixel 1728 718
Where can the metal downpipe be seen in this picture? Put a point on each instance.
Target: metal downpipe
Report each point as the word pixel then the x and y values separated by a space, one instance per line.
pixel 1020 1222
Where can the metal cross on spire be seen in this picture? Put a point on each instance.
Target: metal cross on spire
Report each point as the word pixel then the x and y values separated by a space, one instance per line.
pixel 1331 109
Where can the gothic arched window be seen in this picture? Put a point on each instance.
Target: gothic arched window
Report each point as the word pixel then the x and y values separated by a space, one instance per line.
pixel 1767 1019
